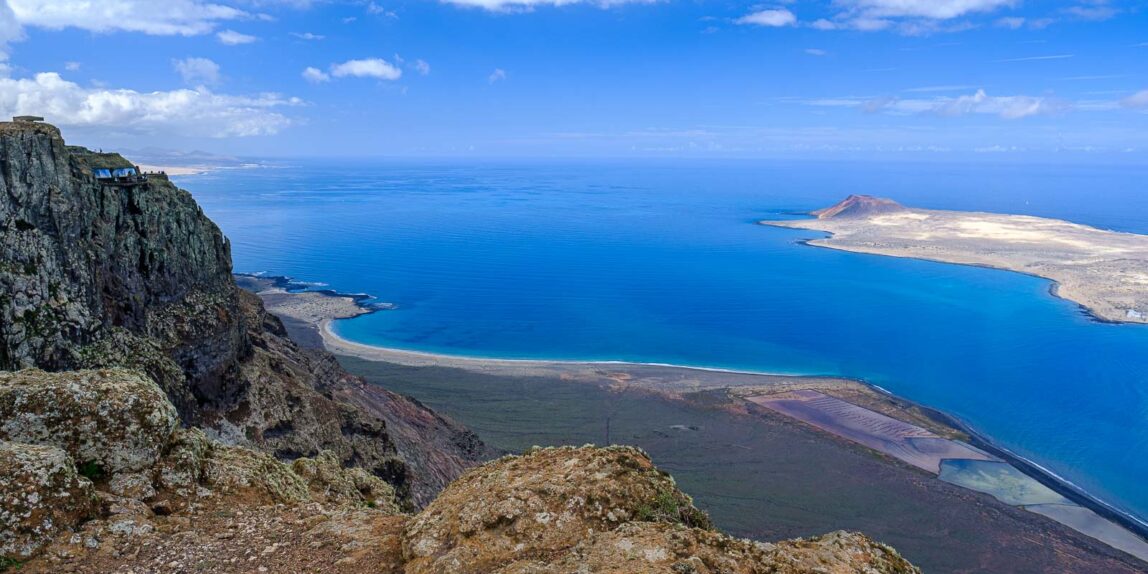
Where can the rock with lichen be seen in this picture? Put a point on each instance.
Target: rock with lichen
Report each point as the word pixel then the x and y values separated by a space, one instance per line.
pixel 648 548
pixel 329 480
pixel 41 494
pixel 108 421
pixel 604 510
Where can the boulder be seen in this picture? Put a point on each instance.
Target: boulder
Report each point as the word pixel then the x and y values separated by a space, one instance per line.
pixel 329 481
pixel 541 504
pixel 40 494
pixel 108 421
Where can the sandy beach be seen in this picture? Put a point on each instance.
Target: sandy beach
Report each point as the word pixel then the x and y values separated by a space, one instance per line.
pixel 850 410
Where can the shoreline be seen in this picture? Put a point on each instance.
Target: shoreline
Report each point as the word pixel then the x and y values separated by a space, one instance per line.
pixel 354 305
pixel 1053 287
pixel 1034 470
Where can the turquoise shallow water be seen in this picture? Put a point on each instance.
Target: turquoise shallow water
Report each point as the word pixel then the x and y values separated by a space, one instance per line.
pixel 662 262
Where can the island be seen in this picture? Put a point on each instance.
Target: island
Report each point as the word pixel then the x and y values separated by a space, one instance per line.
pixel 1106 272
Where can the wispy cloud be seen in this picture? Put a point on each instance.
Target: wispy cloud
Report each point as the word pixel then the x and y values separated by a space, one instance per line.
pixel 497 75
pixel 1097 12
pixel 1092 78
pixel 315 75
pixel 978 102
pixel 1139 100
pixel 197 71
pixel 912 17
pixel 177 17
pixel 233 38
pixel 816 52
pixel 525 5
pixel 927 89
pixel 773 18
pixel 308 36
pixel 1011 22
pixel 1037 58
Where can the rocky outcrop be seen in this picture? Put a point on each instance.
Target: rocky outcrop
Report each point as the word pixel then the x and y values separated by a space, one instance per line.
pixel 119 430
pixel 602 510
pixel 95 275
pixel 109 421
pixel 858 206
pixel 40 495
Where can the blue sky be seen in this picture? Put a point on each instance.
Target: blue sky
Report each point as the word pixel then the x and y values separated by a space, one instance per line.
pixel 580 78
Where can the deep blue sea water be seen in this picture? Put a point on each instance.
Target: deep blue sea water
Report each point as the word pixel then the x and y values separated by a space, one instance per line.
pixel 662 262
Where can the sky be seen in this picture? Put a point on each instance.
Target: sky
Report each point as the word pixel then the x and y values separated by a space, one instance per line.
pixel 594 78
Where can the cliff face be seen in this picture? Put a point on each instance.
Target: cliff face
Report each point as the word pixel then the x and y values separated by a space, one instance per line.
pixel 98 276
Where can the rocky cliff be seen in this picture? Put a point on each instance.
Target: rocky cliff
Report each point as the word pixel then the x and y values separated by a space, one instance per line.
pixel 95 275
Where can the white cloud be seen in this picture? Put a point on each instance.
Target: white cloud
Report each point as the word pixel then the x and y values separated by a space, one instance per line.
pixel 72 66
pixel 1036 58
pixel 497 75
pixel 816 52
pixel 979 102
pixel 773 17
pixel 504 5
pixel 175 17
pixel 911 17
pixel 926 89
pixel 378 10
pixel 1139 100
pixel 1010 22
pixel 197 71
pixel 308 36
pixel 315 75
pixel 366 68
pixel 233 38
pixel 1096 13
pixel 931 9
pixel 10 31
pixel 197 112
pixel 422 67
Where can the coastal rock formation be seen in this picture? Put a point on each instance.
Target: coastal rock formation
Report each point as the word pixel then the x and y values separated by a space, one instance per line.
pixel 858 206
pixel 95 275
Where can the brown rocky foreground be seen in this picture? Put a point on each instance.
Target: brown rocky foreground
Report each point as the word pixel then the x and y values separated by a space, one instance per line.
pixel 100 478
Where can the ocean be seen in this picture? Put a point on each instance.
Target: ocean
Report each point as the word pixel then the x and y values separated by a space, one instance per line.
pixel 662 262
